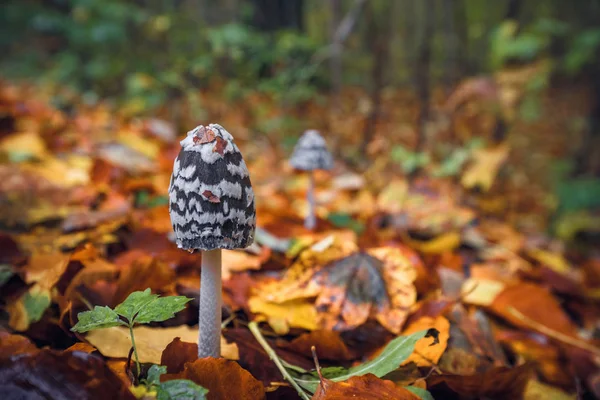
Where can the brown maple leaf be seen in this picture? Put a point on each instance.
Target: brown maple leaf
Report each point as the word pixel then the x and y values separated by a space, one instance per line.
pixel 204 135
pixel 211 197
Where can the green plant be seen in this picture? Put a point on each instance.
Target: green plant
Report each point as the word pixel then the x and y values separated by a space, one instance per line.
pixel 138 308
pixel 305 382
pixel 176 389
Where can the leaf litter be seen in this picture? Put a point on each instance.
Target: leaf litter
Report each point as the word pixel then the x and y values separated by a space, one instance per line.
pixel 84 225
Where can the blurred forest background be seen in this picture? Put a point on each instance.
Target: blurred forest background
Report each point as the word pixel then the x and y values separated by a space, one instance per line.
pixel 408 85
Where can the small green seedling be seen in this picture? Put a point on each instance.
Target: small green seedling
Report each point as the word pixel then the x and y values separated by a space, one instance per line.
pixel 176 389
pixel 138 308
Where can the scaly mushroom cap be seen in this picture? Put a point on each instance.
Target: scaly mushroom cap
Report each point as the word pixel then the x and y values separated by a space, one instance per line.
pixel 311 153
pixel 211 201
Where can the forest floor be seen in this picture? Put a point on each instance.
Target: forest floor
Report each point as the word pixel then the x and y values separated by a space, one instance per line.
pixel 462 256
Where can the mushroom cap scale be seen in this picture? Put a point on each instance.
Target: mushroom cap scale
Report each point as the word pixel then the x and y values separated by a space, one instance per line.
pixel 211 202
pixel 311 153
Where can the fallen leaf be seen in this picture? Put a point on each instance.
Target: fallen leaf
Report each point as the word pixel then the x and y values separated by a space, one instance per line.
pixel 537 304
pixel 536 390
pixel 151 342
pixel 376 284
pixel 446 242
pixel 50 374
pixel 15 344
pixel 428 352
pixel 177 354
pixel 145 272
pixel 365 387
pixel 329 345
pixel 480 292
pixel 238 261
pixel 224 379
pixel 293 313
pixel 498 382
pixel 484 168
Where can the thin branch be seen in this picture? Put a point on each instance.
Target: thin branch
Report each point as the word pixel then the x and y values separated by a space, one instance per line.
pixel 253 326
pixel 561 337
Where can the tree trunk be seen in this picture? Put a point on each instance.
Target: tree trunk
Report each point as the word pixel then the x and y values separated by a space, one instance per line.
pixel 422 70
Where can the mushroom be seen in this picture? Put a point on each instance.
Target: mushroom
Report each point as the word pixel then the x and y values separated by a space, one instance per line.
pixel 211 204
pixel 311 153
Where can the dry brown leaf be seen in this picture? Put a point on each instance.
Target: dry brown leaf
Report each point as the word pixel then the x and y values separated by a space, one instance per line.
pixel 498 382
pixel 224 379
pixel 329 345
pixel 115 342
pixel 537 304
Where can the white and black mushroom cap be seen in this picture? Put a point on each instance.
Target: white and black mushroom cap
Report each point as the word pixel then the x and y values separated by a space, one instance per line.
pixel 311 152
pixel 211 201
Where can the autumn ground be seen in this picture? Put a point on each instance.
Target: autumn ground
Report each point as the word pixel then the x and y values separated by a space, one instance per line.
pixel 509 314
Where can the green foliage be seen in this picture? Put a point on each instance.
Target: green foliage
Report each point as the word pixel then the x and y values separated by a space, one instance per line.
pixel 98 318
pixel 138 308
pixel 177 389
pixel 145 54
pixel 388 360
pixel 36 304
pixel 409 161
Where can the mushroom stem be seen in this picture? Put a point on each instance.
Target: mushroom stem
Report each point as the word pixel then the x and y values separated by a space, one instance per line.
pixel 311 220
pixel 209 316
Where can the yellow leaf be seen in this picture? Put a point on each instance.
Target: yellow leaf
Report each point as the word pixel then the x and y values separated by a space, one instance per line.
pixel 26 144
pixel 441 244
pixel 481 292
pixel 538 391
pixel 150 342
pixel 552 260
pixel 392 197
pixel 484 167
pixel 147 147
pixel 425 353
pixel 296 313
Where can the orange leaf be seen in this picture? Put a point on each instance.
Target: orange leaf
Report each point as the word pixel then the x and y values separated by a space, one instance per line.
pixel 537 304
pixel 425 353
pixel 224 379
pixel 364 387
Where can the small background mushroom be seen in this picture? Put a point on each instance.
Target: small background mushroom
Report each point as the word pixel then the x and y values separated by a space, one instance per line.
pixel 310 153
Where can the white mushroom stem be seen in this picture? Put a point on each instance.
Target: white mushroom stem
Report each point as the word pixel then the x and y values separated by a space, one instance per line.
pixel 209 341
pixel 311 220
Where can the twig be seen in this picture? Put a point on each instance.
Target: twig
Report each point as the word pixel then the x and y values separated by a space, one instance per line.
pixel 313 349
pixel 253 326
pixel 561 337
